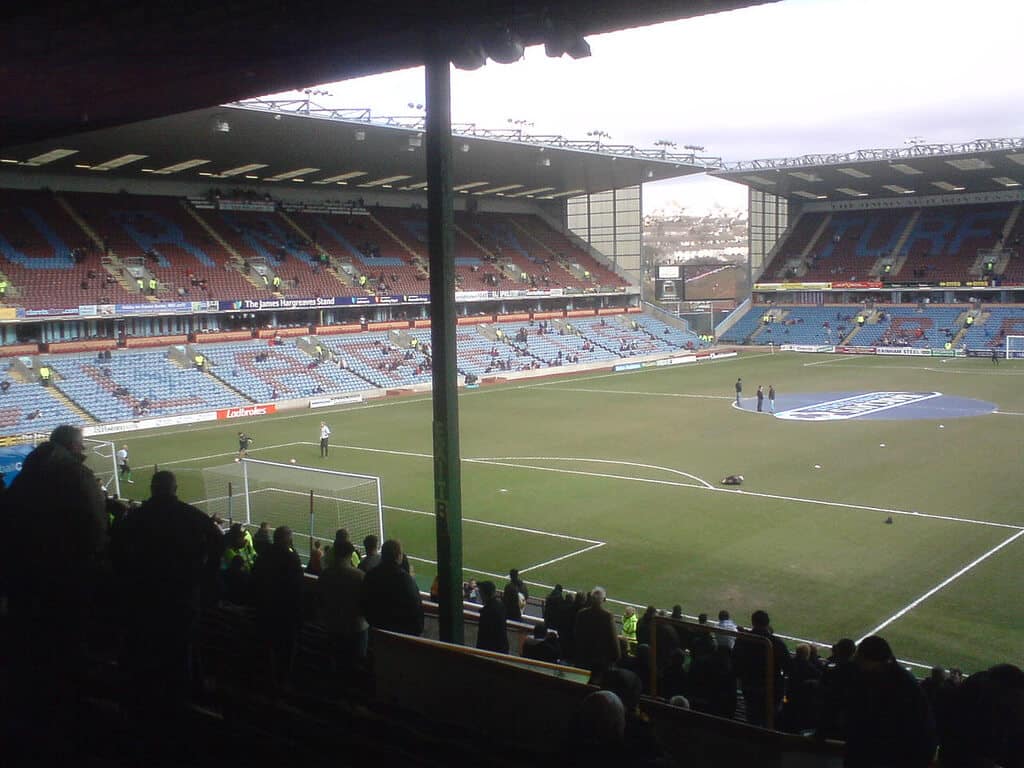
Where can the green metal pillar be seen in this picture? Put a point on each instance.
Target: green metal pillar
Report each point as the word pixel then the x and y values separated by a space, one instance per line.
pixel 440 227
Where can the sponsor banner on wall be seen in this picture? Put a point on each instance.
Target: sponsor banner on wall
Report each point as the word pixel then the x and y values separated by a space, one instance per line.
pixel 911 351
pixel 807 348
pixel 263 206
pixel 242 411
pixel 162 421
pixel 326 402
pixel 855 350
pixel 627 367
pixel 793 286
pixel 918 201
pixel 49 312
pixel 676 360
pixel 856 284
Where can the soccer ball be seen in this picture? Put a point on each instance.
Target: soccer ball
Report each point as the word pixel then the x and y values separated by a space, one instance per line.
pixel 293 461
pixel 237 460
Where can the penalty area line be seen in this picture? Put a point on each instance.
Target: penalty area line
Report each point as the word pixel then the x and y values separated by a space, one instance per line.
pixel 942 585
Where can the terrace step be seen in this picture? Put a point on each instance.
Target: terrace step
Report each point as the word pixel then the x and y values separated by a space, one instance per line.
pixel 71 405
pixel 81 222
pixel 237 261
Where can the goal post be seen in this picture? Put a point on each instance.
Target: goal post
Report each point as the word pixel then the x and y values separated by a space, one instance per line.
pixel 1015 347
pixel 101 458
pixel 313 502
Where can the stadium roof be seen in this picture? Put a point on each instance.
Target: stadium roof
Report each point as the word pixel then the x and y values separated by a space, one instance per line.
pixel 983 165
pixel 253 144
pixel 70 66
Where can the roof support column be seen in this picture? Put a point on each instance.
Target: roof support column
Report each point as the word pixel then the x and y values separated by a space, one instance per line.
pixel 440 228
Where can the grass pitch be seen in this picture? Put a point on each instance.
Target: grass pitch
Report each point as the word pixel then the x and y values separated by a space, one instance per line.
pixel 612 479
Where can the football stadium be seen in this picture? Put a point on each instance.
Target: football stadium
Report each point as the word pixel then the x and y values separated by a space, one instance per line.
pixel 300 319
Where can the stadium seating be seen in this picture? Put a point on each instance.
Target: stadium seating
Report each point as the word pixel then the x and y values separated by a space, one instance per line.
pixel 286 372
pixel 48 258
pixel 375 359
pixel 21 401
pixel 357 239
pixel 256 235
pixel 941 243
pixel 136 383
pixel 946 239
pixel 912 327
pixel 992 331
pixel 171 243
pixel 852 243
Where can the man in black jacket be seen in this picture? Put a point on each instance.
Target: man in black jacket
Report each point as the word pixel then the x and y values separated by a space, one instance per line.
pixel 491 633
pixel 166 556
pixel 391 599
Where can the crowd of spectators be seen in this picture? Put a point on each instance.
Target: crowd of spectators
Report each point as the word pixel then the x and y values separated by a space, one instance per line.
pixel 154 569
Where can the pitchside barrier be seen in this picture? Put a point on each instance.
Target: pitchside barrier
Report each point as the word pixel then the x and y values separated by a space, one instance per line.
pixel 313 502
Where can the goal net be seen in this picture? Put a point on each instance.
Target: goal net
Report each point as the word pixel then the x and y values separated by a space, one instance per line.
pixel 313 502
pixel 1014 347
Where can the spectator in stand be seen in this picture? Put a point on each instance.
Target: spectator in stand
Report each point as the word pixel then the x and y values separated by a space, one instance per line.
pixel 629 622
pixel 54 499
pixel 315 565
pixel 749 659
pixel 985 724
pixel 371 545
pixel 640 740
pixel 643 626
pixel 391 599
pixel 543 646
pixel 725 622
pixel 262 540
pixel 803 693
pixel 514 601
pixel 340 589
pixel 597 640
pixel 333 552
pixel 890 723
pixel 277 591
pixel 672 680
pixel 712 682
pixel 552 605
pixel 166 558
pixel 236 582
pixel 837 682
pixel 492 634
pixel 471 592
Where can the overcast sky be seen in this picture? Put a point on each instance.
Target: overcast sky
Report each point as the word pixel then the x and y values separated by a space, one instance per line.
pixel 779 80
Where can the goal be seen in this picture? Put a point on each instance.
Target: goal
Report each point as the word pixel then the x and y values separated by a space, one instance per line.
pixel 100 457
pixel 313 502
pixel 1014 347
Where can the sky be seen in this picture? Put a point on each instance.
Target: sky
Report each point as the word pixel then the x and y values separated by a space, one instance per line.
pixel 779 80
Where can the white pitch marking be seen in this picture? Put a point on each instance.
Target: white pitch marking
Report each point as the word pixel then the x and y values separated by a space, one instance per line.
pixel 594 461
pixel 563 557
pixel 642 370
pixel 648 394
pixel 228 453
pixel 941 585
pixel 841 359
pixel 502 525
